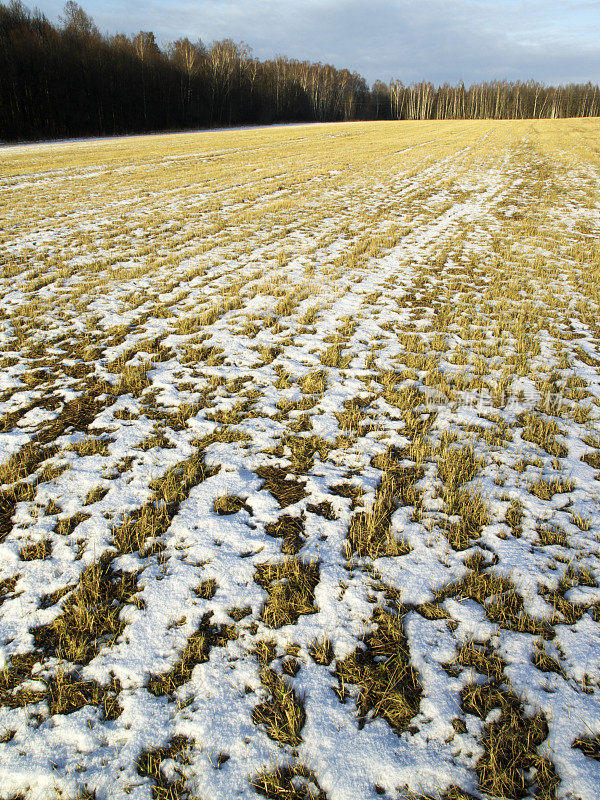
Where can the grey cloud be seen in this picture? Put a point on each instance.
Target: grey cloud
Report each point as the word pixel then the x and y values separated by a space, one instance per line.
pixel 437 40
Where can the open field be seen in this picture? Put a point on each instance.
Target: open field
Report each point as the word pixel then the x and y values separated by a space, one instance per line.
pixel 300 464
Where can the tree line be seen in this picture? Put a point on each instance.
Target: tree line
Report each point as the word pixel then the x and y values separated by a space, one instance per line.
pixel 70 80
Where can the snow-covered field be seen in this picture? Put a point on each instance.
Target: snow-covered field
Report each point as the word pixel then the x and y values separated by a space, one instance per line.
pixel 299 464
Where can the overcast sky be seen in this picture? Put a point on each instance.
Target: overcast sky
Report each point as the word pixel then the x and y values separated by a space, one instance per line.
pixel 438 40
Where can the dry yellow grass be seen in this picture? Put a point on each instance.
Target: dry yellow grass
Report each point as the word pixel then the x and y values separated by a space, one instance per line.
pixel 298 413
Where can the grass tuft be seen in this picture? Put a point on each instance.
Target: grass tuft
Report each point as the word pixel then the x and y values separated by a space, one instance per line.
pixel 389 686
pixel 282 714
pixel 150 765
pixel 196 651
pixel 91 615
pixel 293 782
pixel 290 585
pixel 284 488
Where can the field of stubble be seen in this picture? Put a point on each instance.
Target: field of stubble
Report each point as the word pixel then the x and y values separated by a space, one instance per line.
pixel 299 464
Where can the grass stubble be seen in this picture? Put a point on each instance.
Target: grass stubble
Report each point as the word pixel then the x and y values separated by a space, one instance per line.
pixel 408 314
